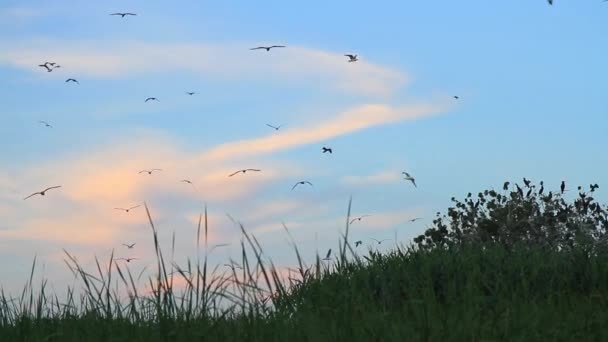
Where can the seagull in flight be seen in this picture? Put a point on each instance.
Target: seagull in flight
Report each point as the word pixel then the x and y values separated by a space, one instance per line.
pixel 72 80
pixel 415 219
pixel 46 124
pixel 352 58
pixel 327 149
pixel 127 259
pixel 150 171
pixel 46 66
pixel 301 182
pixel 186 181
pixel 191 93
pixel 456 97
pixel 243 171
pixel 151 99
pixel 380 241
pixel 122 15
pixel 357 243
pixel 129 246
pixel 43 192
pixel 328 256
pixel 358 218
pixel 267 48
pixel 276 128
pixel 409 177
pixel 128 209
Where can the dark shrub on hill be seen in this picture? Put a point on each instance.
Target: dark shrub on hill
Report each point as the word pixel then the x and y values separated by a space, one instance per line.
pixel 525 214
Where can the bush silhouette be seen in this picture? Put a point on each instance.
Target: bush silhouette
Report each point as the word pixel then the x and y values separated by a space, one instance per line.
pixel 526 215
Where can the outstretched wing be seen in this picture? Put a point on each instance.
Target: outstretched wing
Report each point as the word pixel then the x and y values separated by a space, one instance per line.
pixel 137 206
pixel 234 173
pixel 35 193
pixel 257 48
pixel 278 46
pixel 52 187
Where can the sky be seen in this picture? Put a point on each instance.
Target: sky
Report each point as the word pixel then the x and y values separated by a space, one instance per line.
pixel 530 78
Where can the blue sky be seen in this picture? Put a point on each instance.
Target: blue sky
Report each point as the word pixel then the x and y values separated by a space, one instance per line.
pixel 531 80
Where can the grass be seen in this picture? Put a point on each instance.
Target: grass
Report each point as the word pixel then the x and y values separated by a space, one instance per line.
pixel 465 293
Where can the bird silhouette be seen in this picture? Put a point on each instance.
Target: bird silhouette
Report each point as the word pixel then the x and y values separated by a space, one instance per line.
pixel 551 2
pixel 276 128
pixel 267 48
pixel 542 188
pixel 327 149
pixel 127 259
pixel 129 246
pixel 519 190
pixel 456 97
pixel 243 171
pixel 358 218
pixel 149 171
pixel 128 209
pixel 186 181
pixel 562 187
pixel 409 177
pixel 358 242
pixel 593 187
pixel 415 219
pixel 380 241
pixel 43 192
pixel 351 58
pixel 301 183
pixel 506 186
pixel 327 256
pixel 151 99
pixel 46 124
pixel 72 80
pixel 122 15
pixel 526 182
pixel 46 66
pixel 190 93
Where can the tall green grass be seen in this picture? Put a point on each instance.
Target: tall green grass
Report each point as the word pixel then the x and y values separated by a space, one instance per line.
pixel 465 293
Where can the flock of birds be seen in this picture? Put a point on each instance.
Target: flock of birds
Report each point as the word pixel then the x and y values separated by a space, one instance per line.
pixel 51 66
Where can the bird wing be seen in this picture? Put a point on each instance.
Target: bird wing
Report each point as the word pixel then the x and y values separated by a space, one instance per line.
pixel 52 187
pixel 328 253
pixel 307 182
pixel 120 209
pixel 277 46
pixel 35 193
pixel 137 206
pixel 294 186
pixel 130 14
pixel 254 170
pixel 142 171
pixel 375 240
pixel 257 48
pixel 271 126
pixel 116 14
pixel 350 56
pixel 232 174
pixel 414 182
pixel 353 220
pixel 156 170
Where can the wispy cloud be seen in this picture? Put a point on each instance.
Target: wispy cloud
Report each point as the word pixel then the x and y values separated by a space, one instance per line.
pixel 343 123
pixel 220 61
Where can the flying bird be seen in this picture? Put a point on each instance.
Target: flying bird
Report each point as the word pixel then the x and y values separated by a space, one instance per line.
pixel 357 243
pixel 267 48
pixel 301 182
pixel 358 218
pixel 352 58
pixel 456 97
pixel 526 182
pixel 380 241
pixel 43 192
pixel 151 99
pixel 150 171
pixel 127 259
pixel 328 149
pixel 122 15
pixel 276 128
pixel 128 209
pixel 46 66
pixel 551 2
pixel 72 80
pixel 327 257
pixel 542 188
pixel 415 219
pixel 129 246
pixel 243 171
pixel 190 93
pixel 506 186
pixel 46 124
pixel 186 181
pixel 409 177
